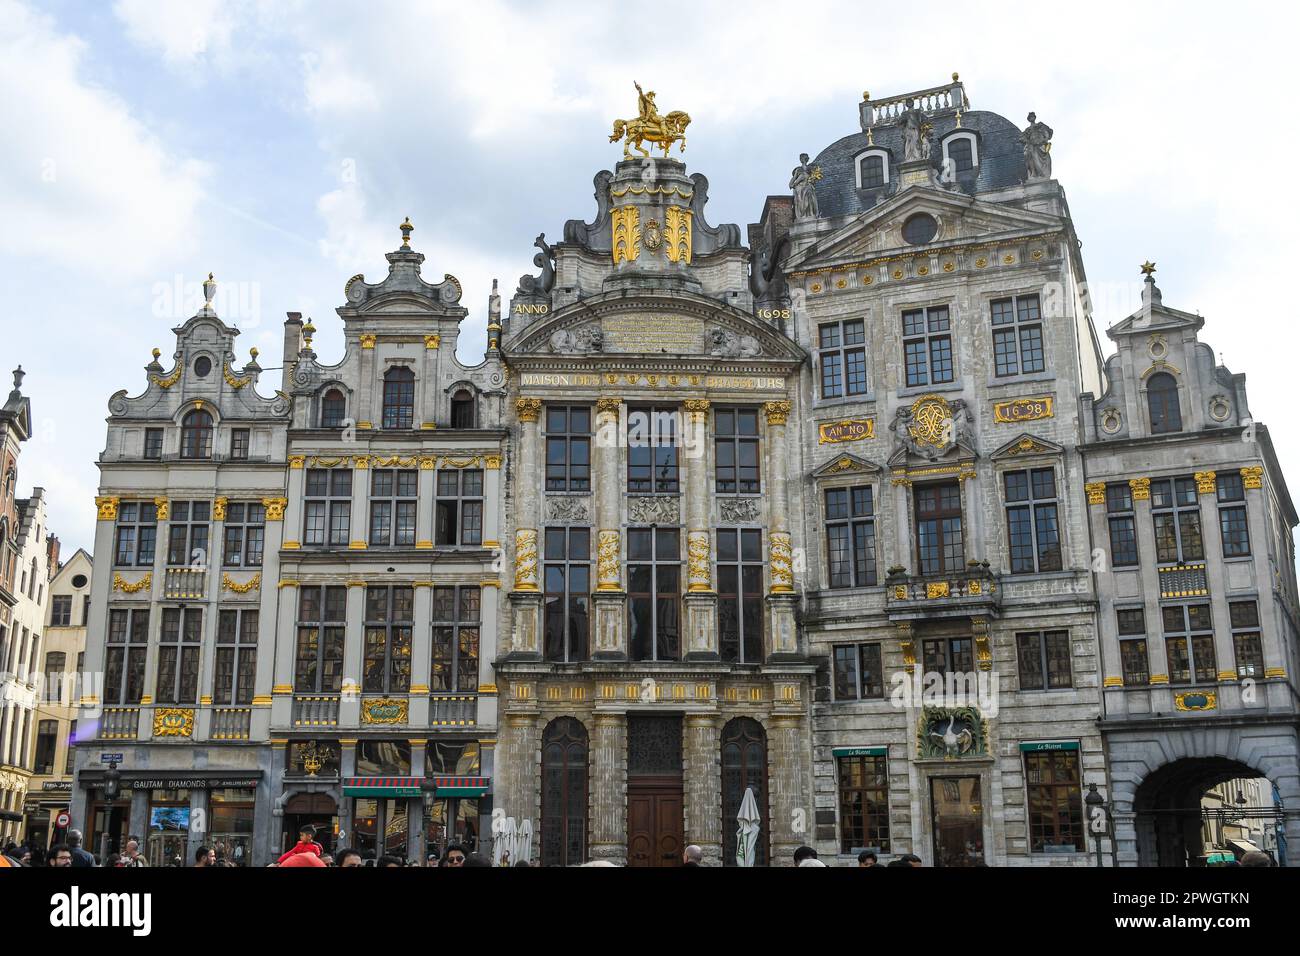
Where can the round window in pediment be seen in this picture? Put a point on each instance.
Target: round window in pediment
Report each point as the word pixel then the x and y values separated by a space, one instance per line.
pixel 202 366
pixel 79 581
pixel 920 229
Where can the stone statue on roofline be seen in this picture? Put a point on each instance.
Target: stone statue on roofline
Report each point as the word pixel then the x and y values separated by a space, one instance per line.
pixel 802 178
pixel 911 122
pixel 1037 140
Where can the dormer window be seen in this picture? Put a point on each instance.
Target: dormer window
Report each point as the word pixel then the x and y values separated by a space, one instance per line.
pixel 873 169
pixel 960 152
pixel 399 398
pixel 1162 404
pixel 462 409
pixel 333 407
pixel 196 435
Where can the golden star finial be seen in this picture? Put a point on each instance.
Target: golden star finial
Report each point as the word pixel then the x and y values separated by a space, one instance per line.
pixel 1148 267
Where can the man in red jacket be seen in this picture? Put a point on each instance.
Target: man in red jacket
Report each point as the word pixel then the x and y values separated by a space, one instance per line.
pixel 306 844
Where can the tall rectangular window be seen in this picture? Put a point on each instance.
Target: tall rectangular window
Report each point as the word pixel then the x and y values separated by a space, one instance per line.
pixel 136 534
pixel 61 610
pixel 652 441
pixel 1044 658
pixel 1176 512
pixel 235 665
pixel 1133 657
pixel 842 358
pixel 187 533
pixel 1123 529
pixel 327 508
pixel 128 643
pixel 568 448
pixel 864 803
pixel 927 346
pixel 1033 530
pixel 153 443
pixel 567 572
pixel 735 448
pixel 740 595
pixel 390 617
pixel 939 540
pixel 1189 644
pixel 654 560
pixel 1245 638
pixel 178 656
pixel 456 616
pixel 55 664
pixel 458 513
pixel 1017 336
pixel 71 751
pixel 245 535
pixel 47 740
pixel 1055 800
pixel 318 657
pixel 240 441
pixel 948 655
pixel 394 498
pixel 859 673
pixel 1233 527
pixel 851 537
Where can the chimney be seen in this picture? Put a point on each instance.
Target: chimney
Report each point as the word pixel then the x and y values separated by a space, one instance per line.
pixel 52 554
pixel 292 346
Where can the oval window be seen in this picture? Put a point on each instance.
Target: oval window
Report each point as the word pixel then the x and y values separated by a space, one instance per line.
pixel 919 229
pixel 79 581
pixel 202 366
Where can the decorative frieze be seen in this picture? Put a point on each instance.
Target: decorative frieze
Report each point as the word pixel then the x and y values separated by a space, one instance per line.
pixel 568 508
pixel 654 510
pixel 739 510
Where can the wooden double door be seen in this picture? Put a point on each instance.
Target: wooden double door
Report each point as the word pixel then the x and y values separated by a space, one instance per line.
pixel 654 821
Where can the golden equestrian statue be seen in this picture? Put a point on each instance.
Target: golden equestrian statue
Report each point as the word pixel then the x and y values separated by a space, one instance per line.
pixel 650 127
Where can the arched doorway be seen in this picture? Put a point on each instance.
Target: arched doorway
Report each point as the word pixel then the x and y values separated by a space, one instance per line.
pixel 1197 811
pixel 315 809
pixel 564 792
pixel 744 764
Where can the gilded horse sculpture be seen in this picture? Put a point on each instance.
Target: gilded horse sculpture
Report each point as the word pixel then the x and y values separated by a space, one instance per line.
pixel 650 127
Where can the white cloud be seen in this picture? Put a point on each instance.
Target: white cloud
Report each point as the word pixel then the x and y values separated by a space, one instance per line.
pixel 184 33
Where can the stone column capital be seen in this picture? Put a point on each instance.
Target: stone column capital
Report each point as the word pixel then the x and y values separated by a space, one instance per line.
pixel 777 412
pixel 529 409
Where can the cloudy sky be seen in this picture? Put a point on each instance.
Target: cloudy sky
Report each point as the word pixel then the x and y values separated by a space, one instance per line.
pixel 279 145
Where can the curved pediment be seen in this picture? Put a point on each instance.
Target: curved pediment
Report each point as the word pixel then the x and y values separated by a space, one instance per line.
pixel 654 325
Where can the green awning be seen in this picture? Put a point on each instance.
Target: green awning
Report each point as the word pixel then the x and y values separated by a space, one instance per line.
pixel 858 751
pixel 1049 745
pixel 382 787
pixel 458 786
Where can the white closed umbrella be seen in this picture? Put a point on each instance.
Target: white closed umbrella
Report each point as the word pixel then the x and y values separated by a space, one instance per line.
pixel 503 841
pixel 749 825
pixel 524 842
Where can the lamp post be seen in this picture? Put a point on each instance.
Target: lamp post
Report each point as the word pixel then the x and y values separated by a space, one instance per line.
pixel 112 790
pixel 1096 805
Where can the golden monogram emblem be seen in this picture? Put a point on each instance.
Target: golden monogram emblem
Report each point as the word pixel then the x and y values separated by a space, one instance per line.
pixel 931 421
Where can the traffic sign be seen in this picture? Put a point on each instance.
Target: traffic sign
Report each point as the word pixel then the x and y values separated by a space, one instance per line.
pixel 62 821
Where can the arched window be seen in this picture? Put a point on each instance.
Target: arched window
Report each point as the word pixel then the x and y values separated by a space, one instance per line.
pixel 564 792
pixel 1162 403
pixel 744 765
pixel 462 409
pixel 196 435
pixel 873 169
pixel 399 398
pixel 960 152
pixel 333 407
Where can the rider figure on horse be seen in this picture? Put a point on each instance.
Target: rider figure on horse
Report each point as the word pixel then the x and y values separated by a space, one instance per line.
pixel 649 115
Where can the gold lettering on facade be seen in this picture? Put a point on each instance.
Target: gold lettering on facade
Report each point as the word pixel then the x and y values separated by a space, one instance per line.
pixel 850 429
pixel 1023 410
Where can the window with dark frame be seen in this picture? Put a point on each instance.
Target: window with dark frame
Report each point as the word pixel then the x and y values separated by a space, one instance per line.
pixel 327 508
pixel 740 595
pixel 1246 643
pixel 564 792
pixel 245 535
pixel 872 171
pixel 1122 524
pixel 1134 661
pixel 744 767
pixel 652 449
pixel 47 740
pixel 851 537
pixel 1233 526
pixel 864 803
pixel 456 617
pixel 842 358
pixel 961 154
pixel 939 541
pixel 179 645
pixel 927 346
pixel 568 448
pixel 462 409
pixel 948 655
pixel 318 656
pixel 859 672
pixel 1176 513
pixel 235 664
pixel 240 440
pixel 389 621
pixel 394 501
pixel 1189 644
pixel 735 451
pixel 1055 800
pixel 1162 404
pixel 399 398
pixel 187 533
pixel 1044 659
pixel 153 443
pixel 567 607
pixel 1017 336
pixel 56 662
pixel 654 560
pixel 333 409
pixel 61 610
pixel 196 435
pixel 136 534
pixel 127 647
pixel 1033 528
pixel 458 511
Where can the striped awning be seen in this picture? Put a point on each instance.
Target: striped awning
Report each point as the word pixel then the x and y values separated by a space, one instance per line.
pixel 382 786
pixel 446 786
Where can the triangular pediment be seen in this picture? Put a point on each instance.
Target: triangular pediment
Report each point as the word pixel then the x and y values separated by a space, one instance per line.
pixel 1154 318
pixel 846 464
pixel 1026 446
pixel 961 218
pixel 956 454
pixel 653 325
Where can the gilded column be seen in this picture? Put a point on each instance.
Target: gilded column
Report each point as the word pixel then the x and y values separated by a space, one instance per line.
pixel 703 776
pixel 609 788
pixel 701 599
pixel 610 598
pixel 783 641
pixel 526 598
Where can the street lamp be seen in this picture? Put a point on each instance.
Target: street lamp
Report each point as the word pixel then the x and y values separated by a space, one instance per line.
pixel 1096 805
pixel 112 790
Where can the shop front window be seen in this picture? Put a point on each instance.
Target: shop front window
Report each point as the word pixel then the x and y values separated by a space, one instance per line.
pixel 169 827
pixel 230 824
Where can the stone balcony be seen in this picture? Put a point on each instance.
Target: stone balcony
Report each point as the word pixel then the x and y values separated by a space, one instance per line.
pixel 119 723
pixel 181 584
pixel 974 592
